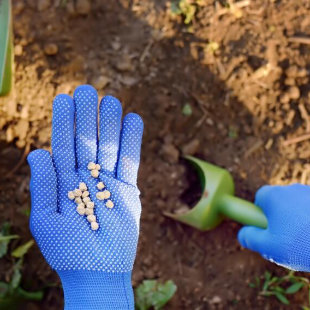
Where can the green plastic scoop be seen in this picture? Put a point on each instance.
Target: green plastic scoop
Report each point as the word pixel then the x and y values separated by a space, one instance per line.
pixel 218 201
pixel 6 47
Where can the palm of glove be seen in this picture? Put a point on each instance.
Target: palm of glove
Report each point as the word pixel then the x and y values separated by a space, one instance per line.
pixel 286 240
pixel 64 236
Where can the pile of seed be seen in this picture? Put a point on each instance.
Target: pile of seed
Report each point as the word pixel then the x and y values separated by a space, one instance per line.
pixel 84 205
pixel 104 194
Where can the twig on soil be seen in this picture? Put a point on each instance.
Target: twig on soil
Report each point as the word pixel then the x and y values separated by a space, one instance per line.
pixel 305 116
pixel 256 146
pixel 20 162
pixel 295 140
pixel 301 40
pixel 146 51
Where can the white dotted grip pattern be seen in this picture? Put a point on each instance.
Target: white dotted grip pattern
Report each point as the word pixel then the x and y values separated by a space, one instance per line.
pixel 64 237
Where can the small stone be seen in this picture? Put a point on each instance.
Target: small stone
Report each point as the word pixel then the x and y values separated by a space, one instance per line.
pixel 216 300
pixel 80 210
pixel 77 192
pixel 86 199
pixel 78 200
pixel 109 204
pixel 100 186
pixel 91 166
pixel 90 205
pixel 98 167
pixel 89 211
pixel 91 218
pixel 83 7
pixel 106 194
pixel 83 186
pixel 94 225
pixel 71 195
pixel 18 50
pixel 50 49
pixel 85 194
pixel 100 195
pixel 95 173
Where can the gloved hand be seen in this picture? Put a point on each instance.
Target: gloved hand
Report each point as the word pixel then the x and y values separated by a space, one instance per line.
pixel 94 265
pixel 286 241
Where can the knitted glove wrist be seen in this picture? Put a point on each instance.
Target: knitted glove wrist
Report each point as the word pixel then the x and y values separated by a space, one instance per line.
pixel 96 290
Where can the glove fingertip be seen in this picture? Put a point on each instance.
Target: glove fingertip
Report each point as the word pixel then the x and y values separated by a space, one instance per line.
pixel 38 155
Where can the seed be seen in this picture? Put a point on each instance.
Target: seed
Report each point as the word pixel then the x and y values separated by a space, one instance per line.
pixel 77 192
pixel 100 185
pixel 91 218
pixel 85 194
pixel 83 186
pixel 78 200
pixel 98 167
pixel 95 173
pixel 80 210
pixel 94 225
pixel 109 204
pixel 107 194
pixel 91 166
pixel 86 199
pixel 90 205
pixel 81 205
pixel 100 195
pixel 71 195
pixel 89 211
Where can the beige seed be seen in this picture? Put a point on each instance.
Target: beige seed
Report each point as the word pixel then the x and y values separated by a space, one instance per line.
pixel 81 205
pixel 89 211
pixel 91 166
pixel 78 200
pixel 83 186
pixel 95 173
pixel 77 192
pixel 109 204
pixel 85 194
pixel 100 185
pixel 80 210
pixel 71 195
pixel 90 205
pixel 86 199
pixel 94 225
pixel 107 194
pixel 98 167
pixel 100 195
pixel 91 218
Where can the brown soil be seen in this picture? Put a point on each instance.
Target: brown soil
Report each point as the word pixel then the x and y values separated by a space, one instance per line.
pixel 245 74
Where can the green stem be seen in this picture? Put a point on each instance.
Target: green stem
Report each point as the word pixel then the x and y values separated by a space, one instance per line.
pixel 242 211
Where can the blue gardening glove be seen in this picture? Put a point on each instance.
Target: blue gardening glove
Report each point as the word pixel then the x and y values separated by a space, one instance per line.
pixel 94 265
pixel 286 241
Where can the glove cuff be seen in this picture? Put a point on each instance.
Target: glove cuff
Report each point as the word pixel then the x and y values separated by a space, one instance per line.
pixel 95 290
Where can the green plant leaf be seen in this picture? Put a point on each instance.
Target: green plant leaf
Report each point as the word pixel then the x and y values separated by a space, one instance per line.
pixel 30 295
pixel 9 237
pixel 23 249
pixel 187 110
pixel 282 298
pixel 5 238
pixel 4 289
pixel 294 288
pixel 17 276
pixel 153 294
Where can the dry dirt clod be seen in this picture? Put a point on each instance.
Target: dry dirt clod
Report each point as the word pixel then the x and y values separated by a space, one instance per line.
pixel 100 195
pixel 78 200
pixel 191 148
pixel 294 92
pixel 109 204
pixel 90 204
pixel 170 153
pixel 83 186
pixel 89 211
pixel 100 82
pixel 83 7
pixel 91 166
pixel 86 199
pixel 95 173
pixel 50 49
pixel 85 194
pixel 77 192
pixel 100 185
pixel 91 218
pixel 18 50
pixel 71 195
pixel 80 210
pixel 43 5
